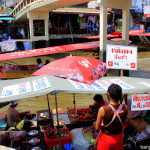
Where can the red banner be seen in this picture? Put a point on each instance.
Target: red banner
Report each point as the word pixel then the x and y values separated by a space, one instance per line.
pixel 49 50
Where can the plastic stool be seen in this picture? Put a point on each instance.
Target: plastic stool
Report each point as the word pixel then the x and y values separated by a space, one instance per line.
pixel 68 146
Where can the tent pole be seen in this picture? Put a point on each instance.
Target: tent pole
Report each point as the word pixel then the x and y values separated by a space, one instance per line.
pixel 49 110
pixel 55 95
pixel 74 101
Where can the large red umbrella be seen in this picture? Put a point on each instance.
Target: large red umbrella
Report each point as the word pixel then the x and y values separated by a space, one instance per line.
pixel 131 32
pixel 98 36
pixel 119 39
pixel 79 68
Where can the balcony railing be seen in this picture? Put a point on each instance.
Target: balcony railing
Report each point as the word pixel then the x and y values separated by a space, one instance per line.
pixel 22 5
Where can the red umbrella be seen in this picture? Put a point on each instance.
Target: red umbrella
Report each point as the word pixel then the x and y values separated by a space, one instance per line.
pixel 79 68
pixel 98 36
pixel 136 31
pixel 130 32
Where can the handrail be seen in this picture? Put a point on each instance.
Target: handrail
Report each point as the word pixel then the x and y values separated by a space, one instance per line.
pixel 21 5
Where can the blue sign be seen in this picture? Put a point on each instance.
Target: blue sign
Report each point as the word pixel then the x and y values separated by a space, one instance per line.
pixel 138 5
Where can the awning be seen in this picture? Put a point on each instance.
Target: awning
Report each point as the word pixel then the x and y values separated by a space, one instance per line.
pixel 98 36
pixel 7 18
pixel 41 85
pixel 140 34
pixel 49 50
pixel 119 39
pixel 77 11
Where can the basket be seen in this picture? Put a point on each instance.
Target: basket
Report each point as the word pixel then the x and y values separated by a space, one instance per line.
pixel 50 143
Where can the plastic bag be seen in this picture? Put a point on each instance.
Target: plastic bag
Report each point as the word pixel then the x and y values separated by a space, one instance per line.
pixel 79 143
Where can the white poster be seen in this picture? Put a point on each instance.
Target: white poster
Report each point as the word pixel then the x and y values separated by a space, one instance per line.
pixel 140 102
pixel 17 89
pixel 40 84
pixel 101 84
pixel 121 57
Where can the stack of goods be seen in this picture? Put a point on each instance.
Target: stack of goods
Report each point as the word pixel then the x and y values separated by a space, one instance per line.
pixel 73 116
pixel 3 122
pixel 85 114
pixel 34 140
pixel 44 117
pixel 81 115
pixel 61 122
pixel 51 137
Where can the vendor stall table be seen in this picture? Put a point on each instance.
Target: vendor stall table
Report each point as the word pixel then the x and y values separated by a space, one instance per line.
pixel 27 43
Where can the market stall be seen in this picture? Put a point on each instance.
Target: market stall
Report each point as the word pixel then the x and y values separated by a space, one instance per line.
pixel 11 90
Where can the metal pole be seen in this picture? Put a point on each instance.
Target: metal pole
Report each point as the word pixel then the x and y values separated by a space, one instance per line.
pixel 74 101
pixel 49 110
pixel 59 137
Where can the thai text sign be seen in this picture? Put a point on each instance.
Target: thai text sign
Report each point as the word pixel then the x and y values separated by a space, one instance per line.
pixel 121 57
pixel 140 102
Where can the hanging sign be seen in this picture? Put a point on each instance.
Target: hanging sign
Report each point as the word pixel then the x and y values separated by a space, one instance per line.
pixel 140 102
pixel 17 89
pixel 121 57
pixel 147 11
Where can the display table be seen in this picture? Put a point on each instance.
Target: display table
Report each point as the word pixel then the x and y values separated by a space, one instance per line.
pixel 23 40
pixel 26 42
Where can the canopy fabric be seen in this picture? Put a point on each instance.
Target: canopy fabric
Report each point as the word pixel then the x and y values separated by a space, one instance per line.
pixel 140 34
pixel 98 36
pixel 131 33
pixel 49 50
pixel 78 68
pixel 119 39
pixel 11 90
pixel 6 18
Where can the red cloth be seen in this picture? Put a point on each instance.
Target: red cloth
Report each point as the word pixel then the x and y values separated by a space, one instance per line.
pixel 110 142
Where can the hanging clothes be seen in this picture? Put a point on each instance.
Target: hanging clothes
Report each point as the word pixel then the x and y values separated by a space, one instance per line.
pixel 22 32
pixel 79 19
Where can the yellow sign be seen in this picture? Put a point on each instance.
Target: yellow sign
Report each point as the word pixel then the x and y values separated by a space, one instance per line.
pixel 1 10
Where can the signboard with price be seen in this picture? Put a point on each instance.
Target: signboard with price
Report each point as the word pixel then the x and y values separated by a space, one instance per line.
pixel 140 102
pixel 121 57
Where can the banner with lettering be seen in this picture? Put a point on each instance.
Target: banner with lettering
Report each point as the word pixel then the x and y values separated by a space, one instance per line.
pixel 121 57
pixel 140 102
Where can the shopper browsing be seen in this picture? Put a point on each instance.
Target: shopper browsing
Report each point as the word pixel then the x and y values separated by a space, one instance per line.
pixel 110 120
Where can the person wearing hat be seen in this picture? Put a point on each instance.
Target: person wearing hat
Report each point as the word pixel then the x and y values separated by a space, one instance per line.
pixel 14 117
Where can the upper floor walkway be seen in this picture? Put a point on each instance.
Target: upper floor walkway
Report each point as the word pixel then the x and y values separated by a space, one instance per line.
pixel 23 6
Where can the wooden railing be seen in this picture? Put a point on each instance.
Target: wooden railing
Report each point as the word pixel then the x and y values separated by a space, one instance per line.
pixel 22 5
